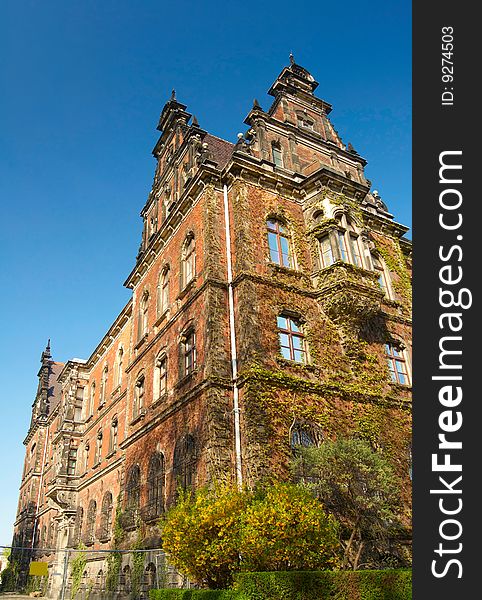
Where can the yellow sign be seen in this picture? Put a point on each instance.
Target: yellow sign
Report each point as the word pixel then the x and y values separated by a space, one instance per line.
pixel 39 568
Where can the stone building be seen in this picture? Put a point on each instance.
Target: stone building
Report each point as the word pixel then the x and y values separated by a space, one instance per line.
pixel 270 307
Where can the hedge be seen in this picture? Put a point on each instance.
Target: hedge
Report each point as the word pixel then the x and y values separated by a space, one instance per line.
pixel 196 595
pixel 306 585
pixel 326 585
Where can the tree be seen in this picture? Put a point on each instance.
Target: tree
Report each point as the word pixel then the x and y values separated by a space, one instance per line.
pixel 287 529
pixel 212 534
pixel 357 486
pixel 201 534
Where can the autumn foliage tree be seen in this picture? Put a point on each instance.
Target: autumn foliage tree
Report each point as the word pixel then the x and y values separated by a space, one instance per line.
pixel 201 534
pixel 358 486
pixel 287 529
pixel 211 534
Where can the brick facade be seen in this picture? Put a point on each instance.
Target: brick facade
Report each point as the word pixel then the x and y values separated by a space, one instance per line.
pixel 155 406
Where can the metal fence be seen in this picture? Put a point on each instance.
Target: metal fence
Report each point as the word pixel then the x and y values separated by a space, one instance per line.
pixel 86 574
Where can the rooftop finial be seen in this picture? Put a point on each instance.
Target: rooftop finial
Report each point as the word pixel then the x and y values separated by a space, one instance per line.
pixel 195 122
pixel 292 59
pixel 256 104
pixel 173 95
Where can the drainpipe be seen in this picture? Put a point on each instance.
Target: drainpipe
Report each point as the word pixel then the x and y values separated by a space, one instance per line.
pixel 232 335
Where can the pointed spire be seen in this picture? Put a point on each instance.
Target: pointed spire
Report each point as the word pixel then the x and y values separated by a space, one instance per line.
pixel 46 353
pixel 195 122
pixel 256 105
pixel 173 95
pixel 292 59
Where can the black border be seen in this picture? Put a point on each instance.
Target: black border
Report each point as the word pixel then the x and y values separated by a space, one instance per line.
pixel 438 128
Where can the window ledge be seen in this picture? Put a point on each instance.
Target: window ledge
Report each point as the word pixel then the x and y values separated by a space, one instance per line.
pixel 288 270
pixel 111 453
pixel 138 417
pixel 186 289
pixel 286 362
pixel 186 378
pixel 159 401
pixel 141 341
pixel 101 405
pixel 115 392
pixel 406 387
pixel 162 317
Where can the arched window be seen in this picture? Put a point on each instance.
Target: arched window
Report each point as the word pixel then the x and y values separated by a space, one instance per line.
pixel 291 339
pixel 142 321
pixel 304 434
pixel 397 364
pixel 279 243
pixel 79 517
pixel 106 517
pixel 188 353
pixel 90 525
pixel 188 260
pixel 163 291
pixel 133 495
pixel 99 581
pixel 160 377
pixel 125 579
pixel 185 462
pixel 138 403
pixel 155 485
pixel 150 576
pixel 103 386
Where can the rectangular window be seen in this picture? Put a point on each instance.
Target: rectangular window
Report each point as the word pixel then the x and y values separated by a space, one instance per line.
pixel 291 339
pixel 189 353
pixel 326 250
pixel 72 461
pixel 355 250
pixel 277 156
pixel 279 244
pixel 342 246
pixel 396 365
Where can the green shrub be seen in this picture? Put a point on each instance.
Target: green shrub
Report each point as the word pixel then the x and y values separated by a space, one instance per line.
pixel 196 595
pixel 326 585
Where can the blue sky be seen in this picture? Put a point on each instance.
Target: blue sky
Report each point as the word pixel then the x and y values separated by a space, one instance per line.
pixel 82 85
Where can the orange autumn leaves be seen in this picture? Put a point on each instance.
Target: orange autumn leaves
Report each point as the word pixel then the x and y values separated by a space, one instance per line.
pixel 213 534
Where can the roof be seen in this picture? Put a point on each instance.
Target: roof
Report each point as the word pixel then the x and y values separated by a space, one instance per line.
pixel 54 391
pixel 221 150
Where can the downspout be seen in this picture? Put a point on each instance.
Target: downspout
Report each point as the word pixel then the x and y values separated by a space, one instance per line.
pixel 232 335
pixel 35 523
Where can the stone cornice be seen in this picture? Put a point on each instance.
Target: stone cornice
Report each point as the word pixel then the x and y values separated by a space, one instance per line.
pixel 111 334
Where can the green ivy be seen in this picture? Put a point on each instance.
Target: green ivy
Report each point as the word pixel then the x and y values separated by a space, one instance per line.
pixel 77 568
